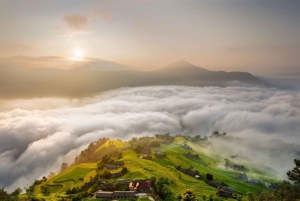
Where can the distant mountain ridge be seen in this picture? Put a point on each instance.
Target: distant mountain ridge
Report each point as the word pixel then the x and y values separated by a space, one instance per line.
pixel 90 78
pixel 99 65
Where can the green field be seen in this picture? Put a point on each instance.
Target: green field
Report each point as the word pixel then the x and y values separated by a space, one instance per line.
pixel 164 167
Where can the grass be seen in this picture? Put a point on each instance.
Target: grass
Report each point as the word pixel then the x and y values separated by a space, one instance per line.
pixel 165 167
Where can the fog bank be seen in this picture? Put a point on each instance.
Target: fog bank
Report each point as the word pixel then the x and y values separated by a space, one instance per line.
pixel 37 135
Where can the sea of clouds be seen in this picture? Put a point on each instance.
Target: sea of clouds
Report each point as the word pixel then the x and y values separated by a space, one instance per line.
pixel 37 135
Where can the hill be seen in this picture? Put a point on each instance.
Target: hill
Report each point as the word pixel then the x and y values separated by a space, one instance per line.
pixel 178 154
pixel 90 78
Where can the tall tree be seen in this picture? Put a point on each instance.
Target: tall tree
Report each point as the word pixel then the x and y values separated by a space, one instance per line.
pixel 294 174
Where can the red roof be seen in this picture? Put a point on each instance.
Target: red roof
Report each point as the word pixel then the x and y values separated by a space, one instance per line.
pixel 143 185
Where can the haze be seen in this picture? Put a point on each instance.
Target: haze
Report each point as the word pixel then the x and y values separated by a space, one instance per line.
pixel 74 71
pixel 260 37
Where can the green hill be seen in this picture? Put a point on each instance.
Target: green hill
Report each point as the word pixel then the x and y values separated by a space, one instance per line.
pixel 159 167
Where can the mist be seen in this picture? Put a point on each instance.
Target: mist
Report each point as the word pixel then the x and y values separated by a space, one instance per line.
pixel 37 135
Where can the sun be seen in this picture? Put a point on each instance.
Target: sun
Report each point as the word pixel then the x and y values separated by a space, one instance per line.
pixel 78 53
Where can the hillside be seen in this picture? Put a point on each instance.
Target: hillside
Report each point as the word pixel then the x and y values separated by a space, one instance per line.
pixel 91 78
pixel 79 174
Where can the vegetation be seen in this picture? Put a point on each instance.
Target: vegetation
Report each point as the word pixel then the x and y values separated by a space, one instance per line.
pixel 169 176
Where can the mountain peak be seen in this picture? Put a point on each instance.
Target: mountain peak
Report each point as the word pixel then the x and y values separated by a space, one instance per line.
pixel 182 65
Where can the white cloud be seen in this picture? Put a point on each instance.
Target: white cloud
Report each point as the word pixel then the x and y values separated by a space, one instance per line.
pixel 44 132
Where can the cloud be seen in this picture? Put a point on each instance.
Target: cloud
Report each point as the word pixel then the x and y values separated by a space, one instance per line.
pixel 105 14
pixel 76 22
pixel 37 135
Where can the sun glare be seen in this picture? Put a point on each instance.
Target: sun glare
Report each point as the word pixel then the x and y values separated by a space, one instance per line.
pixel 78 53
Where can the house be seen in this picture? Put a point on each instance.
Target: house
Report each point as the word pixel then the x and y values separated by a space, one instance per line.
pixel 227 189
pixel 104 194
pixel 146 157
pixel 187 171
pixel 225 194
pixel 160 155
pixel 192 156
pixel 197 177
pixel 214 184
pixel 89 183
pixel 253 181
pixel 119 163
pixel 144 187
pixel 115 194
pixel 108 185
pixel 184 145
pixel 238 167
pixel 117 174
pixel 242 176
pixel 273 186
pixel 111 166
pixel 123 181
pixel 123 194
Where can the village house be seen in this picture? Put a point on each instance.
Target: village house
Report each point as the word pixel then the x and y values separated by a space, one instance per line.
pixel 123 194
pixel 115 194
pixel 184 145
pixel 197 176
pixel 119 163
pixel 192 156
pixel 109 185
pixel 123 181
pixel 89 183
pixel 273 186
pixel 253 181
pixel 225 194
pixel 242 177
pixel 160 155
pixel 227 189
pixel 111 166
pixel 144 187
pixel 214 184
pixel 146 157
pixel 126 148
pixel 117 174
pixel 104 194
pixel 238 167
pixel 187 171
pixel 139 185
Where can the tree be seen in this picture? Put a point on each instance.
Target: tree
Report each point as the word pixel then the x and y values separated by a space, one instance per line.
pixel 294 174
pixel 45 190
pixel 152 180
pixel 188 195
pixel 44 179
pixel 100 165
pixel 209 177
pixel 16 192
pixel 161 188
pixel 124 169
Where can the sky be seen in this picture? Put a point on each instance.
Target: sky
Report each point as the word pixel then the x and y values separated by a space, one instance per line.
pixel 258 36
pixel 37 135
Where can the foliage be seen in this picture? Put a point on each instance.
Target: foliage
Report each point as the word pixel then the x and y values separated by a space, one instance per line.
pixel 45 190
pixel 16 192
pixel 5 196
pixel 90 154
pixel 294 174
pixel 188 195
pixel 209 177
pixel 161 187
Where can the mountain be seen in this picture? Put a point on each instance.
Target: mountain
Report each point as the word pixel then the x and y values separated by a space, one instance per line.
pixel 177 158
pixel 90 78
pixel 99 65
